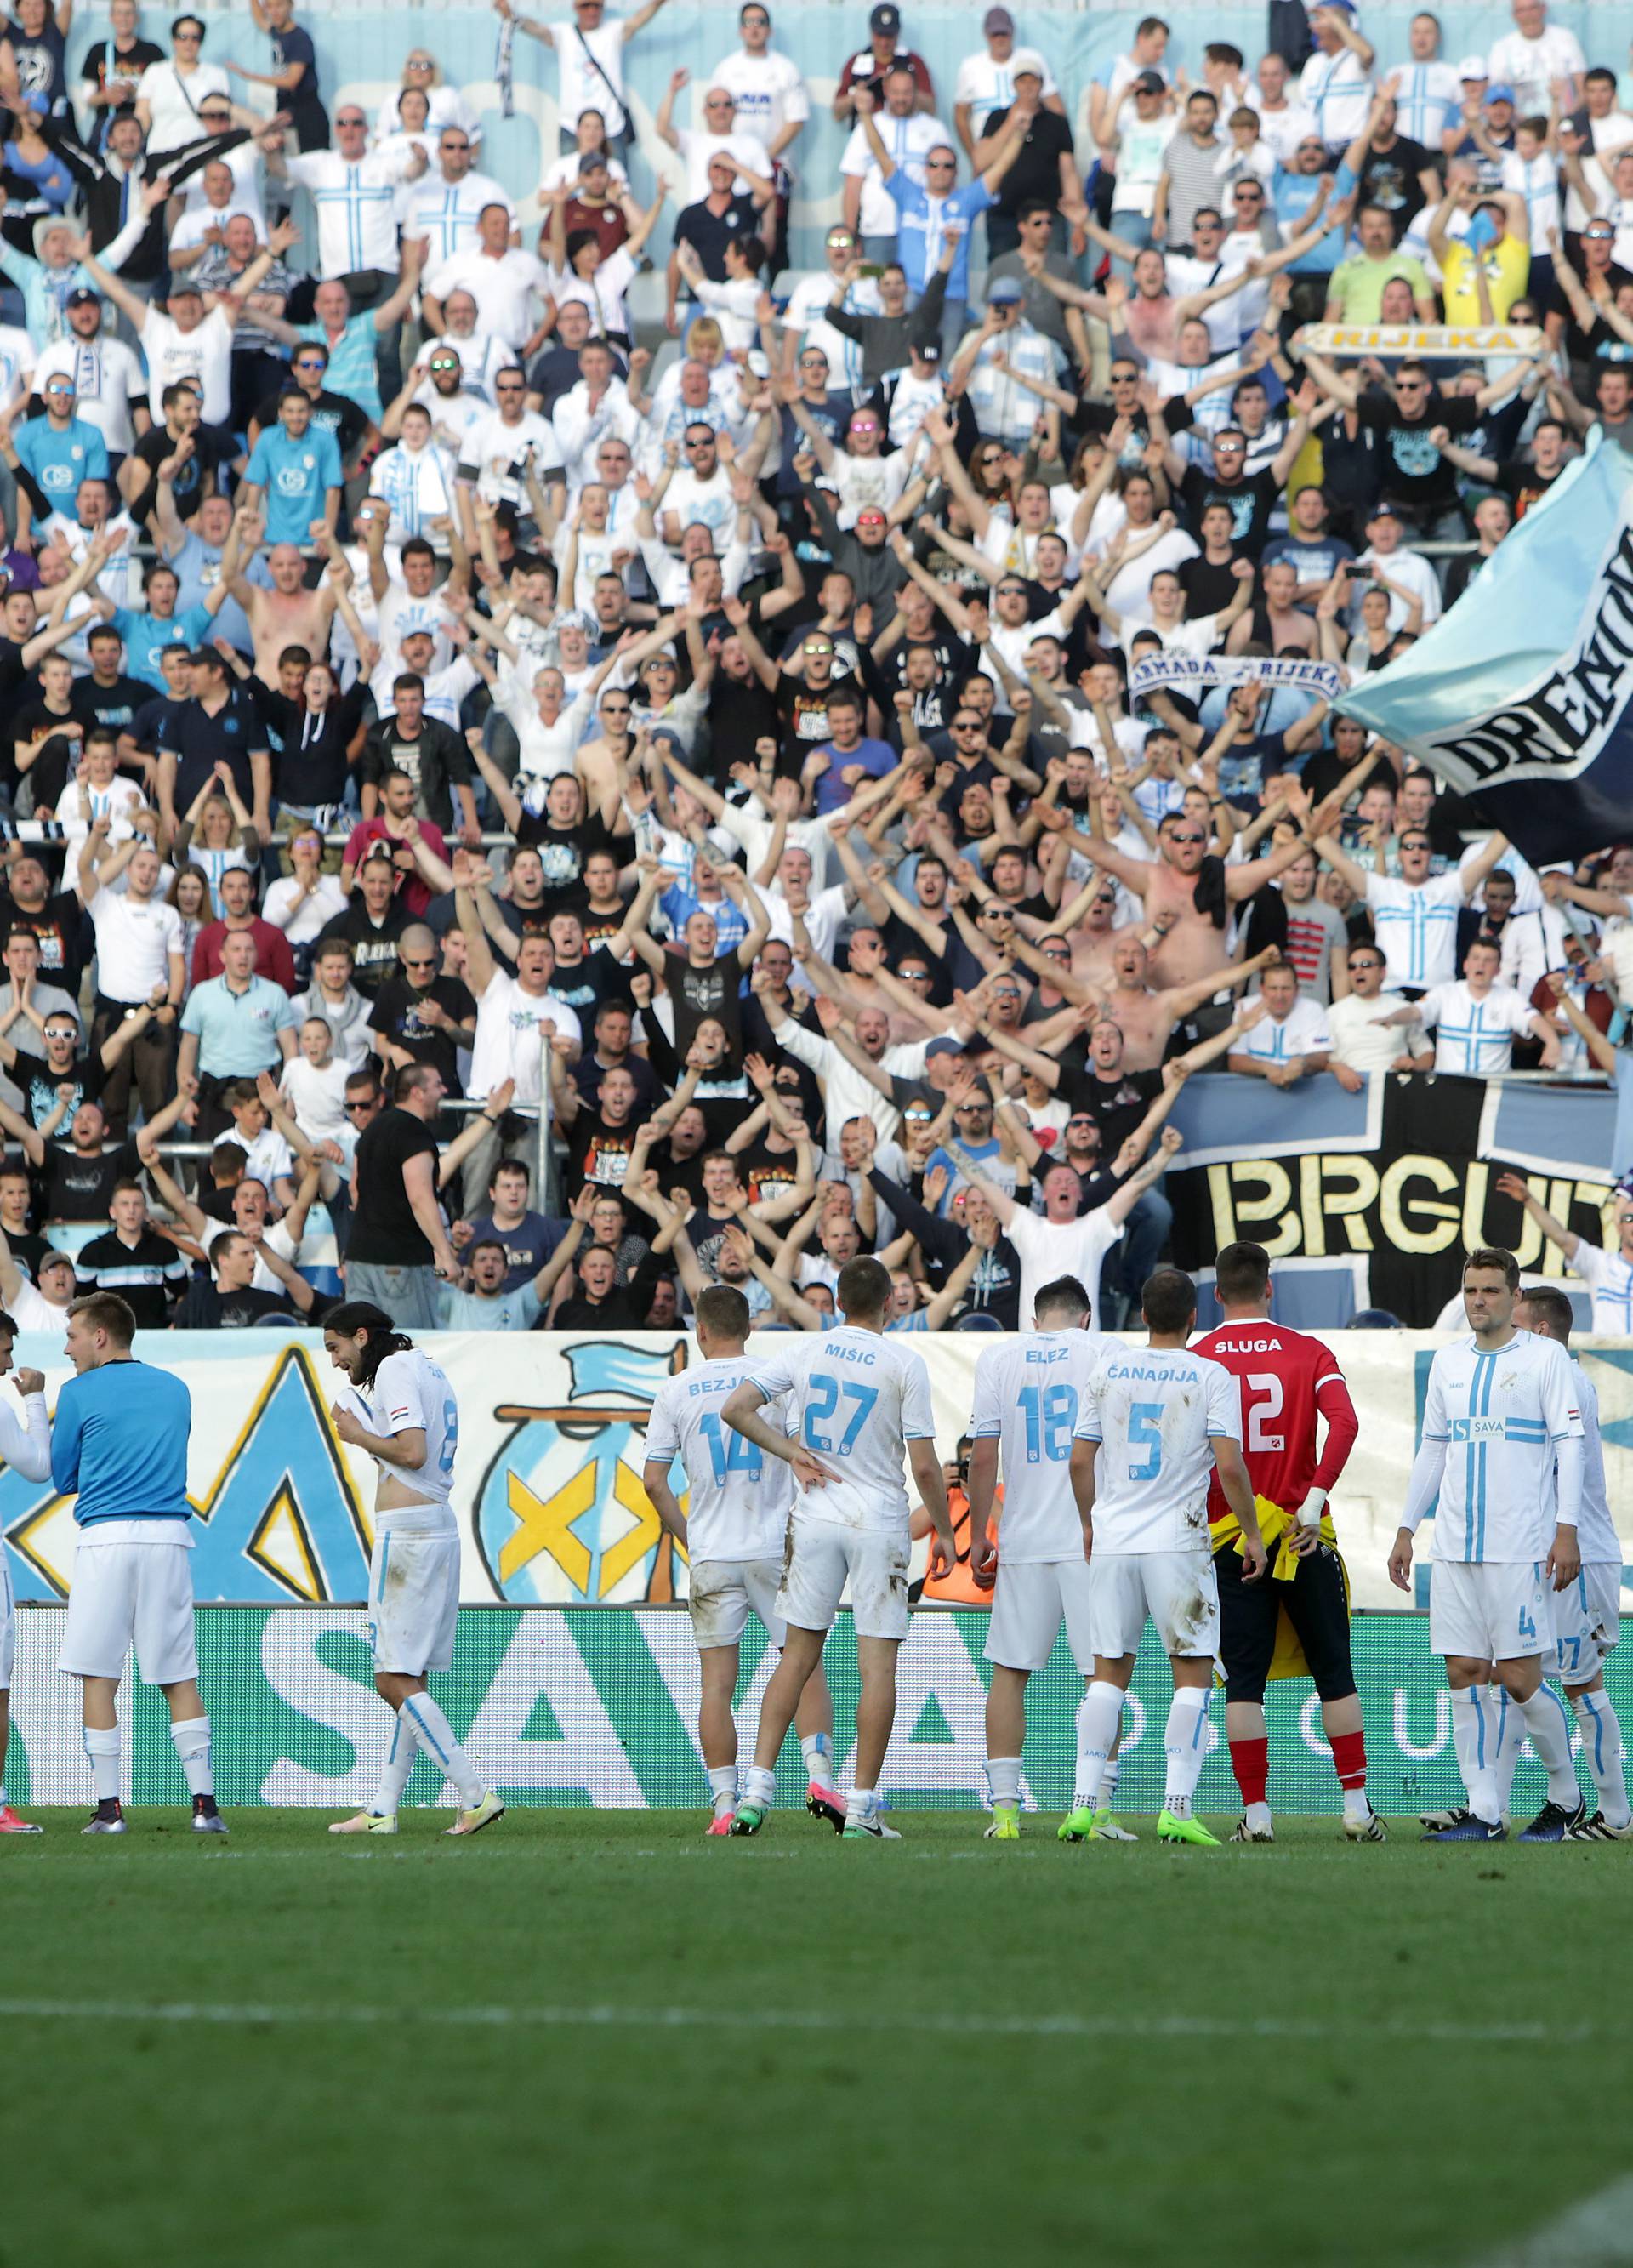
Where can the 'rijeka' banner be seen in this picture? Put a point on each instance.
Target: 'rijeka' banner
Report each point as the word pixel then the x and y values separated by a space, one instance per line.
pixel 1187 671
pixel 1423 341
pixel 1522 694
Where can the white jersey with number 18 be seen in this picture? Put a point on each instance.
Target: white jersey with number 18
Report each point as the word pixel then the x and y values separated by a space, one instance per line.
pixel 409 1391
pixel 1156 1412
pixel 1028 1396
pixel 856 1399
pixel 738 1499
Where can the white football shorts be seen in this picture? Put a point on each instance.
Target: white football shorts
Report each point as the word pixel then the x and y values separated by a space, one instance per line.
pixel 8 1625
pixel 722 1592
pixel 1490 1610
pixel 1587 1620
pixel 127 1594
pixel 413 1601
pixel 822 1556
pixel 1177 1589
pixel 1028 1606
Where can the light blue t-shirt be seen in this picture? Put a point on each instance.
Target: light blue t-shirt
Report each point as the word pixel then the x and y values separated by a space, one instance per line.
pixel 296 476
pixel 474 1311
pixel 61 457
pixel 146 637
pixel 120 1439
pixel 238 1031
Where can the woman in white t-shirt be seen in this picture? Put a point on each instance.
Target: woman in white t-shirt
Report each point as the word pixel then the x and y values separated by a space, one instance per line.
pixel 579 269
pixel 305 900
pixel 217 834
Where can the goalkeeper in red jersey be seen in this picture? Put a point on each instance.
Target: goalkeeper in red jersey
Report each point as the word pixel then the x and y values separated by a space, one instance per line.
pixel 1298 1623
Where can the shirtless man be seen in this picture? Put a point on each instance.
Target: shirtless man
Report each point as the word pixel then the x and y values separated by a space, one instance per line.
pixel 1194 946
pixel 287 615
pixel 1146 1015
pixel 1290 629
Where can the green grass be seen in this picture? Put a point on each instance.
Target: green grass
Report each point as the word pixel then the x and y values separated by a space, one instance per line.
pixel 944 2049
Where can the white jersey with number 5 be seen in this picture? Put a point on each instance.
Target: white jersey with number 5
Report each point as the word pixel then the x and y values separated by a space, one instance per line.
pixel 1156 1412
pixel 738 1498
pixel 856 1398
pixel 409 1391
pixel 1028 1397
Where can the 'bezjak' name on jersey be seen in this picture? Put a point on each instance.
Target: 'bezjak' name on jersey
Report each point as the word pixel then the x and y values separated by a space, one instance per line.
pixel 695 1387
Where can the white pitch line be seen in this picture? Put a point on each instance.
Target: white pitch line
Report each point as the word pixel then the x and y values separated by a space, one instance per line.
pixel 940 2023
pixel 1596 2233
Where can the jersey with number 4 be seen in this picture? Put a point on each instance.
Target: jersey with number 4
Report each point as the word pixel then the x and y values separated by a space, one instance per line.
pixel 409 1391
pixel 1286 1381
pixel 1501 1414
pixel 738 1499
pixel 1156 1412
pixel 1028 1394
pixel 855 1400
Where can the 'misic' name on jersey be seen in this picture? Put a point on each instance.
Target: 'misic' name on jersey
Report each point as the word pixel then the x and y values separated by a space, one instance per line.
pixel 856 1399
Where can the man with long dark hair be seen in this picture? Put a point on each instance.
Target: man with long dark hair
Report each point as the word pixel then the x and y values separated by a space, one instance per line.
pixel 400 1410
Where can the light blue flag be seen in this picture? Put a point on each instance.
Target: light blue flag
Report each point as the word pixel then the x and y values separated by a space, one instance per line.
pixel 1522 694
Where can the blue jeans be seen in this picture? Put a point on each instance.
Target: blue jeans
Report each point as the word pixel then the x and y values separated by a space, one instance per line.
pixel 1133 228
pixel 1622 1140
pixel 407 1295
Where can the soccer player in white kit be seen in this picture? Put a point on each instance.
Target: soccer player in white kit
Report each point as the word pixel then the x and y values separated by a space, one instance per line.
pixel 1028 1395
pixel 1500 1461
pixel 1587 1616
pixel 859 1403
pixel 25 1446
pixel 401 1410
pixel 735 1529
pixel 1156 1421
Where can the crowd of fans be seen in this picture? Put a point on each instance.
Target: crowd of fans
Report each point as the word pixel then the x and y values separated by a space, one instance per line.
pixel 435 699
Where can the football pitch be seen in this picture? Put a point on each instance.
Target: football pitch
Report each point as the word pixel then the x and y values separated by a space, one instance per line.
pixel 600 2037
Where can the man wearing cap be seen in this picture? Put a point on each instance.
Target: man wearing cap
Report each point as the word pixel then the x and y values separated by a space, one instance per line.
pixel 110 392
pixel 1336 84
pixel 868 68
pixel 1534 57
pixel 445 203
pixel 931 210
pixel 986 81
pixel 908 134
pixel 1045 167
pixel 45 279
pixel 988 358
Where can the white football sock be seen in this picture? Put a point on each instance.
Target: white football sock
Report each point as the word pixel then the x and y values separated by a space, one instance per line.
pixel 398 1764
pixel 103 1749
pixel 192 1742
pixel 760 1786
pixel 1510 1738
pixel 1550 1727
pixel 1258 1816
pixel 861 1801
pixel 1004 1778
pixel 722 1786
pixel 1601 1751
pixel 1099 1713
pixel 1474 1735
pixel 1108 1785
pixel 435 1735
pixel 818 1751
pixel 1184 1749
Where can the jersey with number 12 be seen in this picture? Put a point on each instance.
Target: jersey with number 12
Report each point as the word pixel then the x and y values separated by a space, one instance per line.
pixel 409 1391
pixel 737 1499
pixel 1028 1394
pixel 855 1400
pixel 1287 1380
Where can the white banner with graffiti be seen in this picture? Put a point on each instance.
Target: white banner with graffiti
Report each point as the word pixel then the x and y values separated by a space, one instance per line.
pixel 552 1441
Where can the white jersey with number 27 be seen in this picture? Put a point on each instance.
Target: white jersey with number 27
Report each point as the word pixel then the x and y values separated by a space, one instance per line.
pixel 738 1499
pixel 855 1400
pixel 409 1391
pixel 1156 1412
pixel 1028 1397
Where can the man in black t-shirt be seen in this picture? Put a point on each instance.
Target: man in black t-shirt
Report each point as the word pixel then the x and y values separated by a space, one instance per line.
pixel 372 926
pixel 132 1259
pixel 194 451
pixel 56 917
pixel 1045 167
pixel 1250 497
pixel 420 1017
pixel 231 1303
pixel 397 1246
